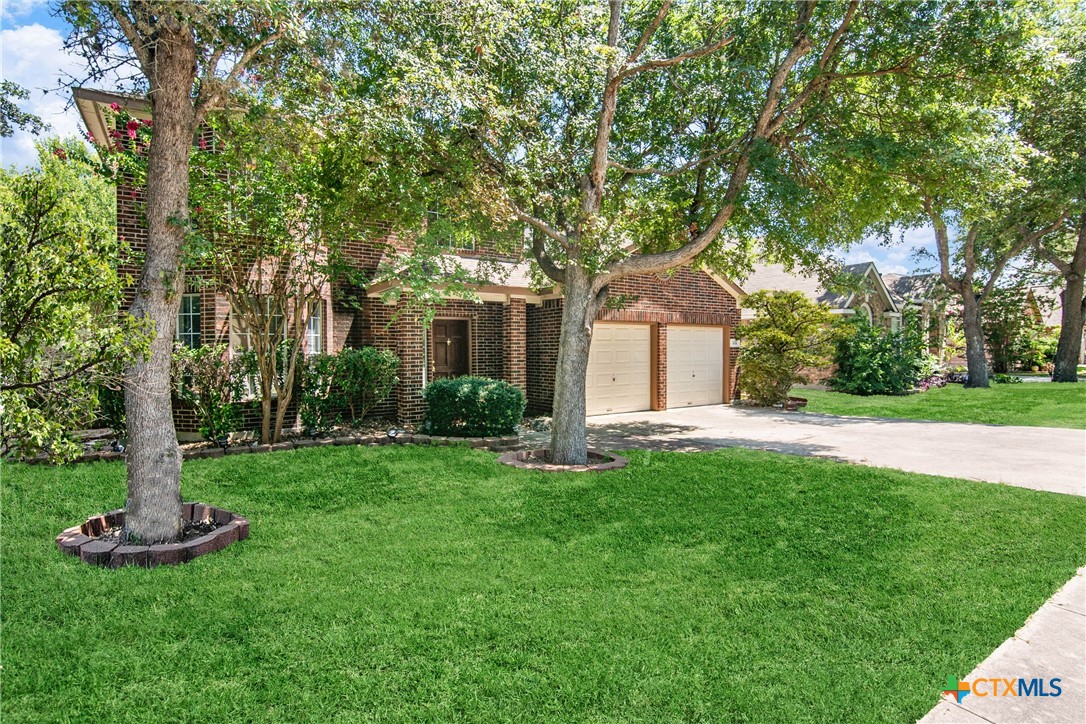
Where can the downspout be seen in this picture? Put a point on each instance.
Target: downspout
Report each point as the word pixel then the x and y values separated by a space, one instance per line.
pixel 425 357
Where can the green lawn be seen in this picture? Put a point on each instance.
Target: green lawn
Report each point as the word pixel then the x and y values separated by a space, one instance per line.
pixel 1035 404
pixel 432 583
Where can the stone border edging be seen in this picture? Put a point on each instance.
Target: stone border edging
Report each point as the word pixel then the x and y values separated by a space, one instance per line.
pixel 80 540
pixel 528 460
pixel 494 444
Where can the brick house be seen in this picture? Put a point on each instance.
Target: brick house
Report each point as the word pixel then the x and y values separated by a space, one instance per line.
pixel 670 345
pixel 865 294
pixel 862 291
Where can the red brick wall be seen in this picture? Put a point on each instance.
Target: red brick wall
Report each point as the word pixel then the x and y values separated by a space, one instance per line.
pixel 544 324
pixel 684 297
pixel 514 344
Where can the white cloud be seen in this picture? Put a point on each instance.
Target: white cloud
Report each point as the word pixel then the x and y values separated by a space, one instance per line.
pixel 898 257
pixel 15 9
pixel 33 56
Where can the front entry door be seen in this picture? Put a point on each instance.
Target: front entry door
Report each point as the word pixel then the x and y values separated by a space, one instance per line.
pixel 450 348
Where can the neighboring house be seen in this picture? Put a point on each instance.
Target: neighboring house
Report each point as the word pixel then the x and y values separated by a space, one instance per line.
pixel 1046 305
pixel 926 295
pixel 669 345
pixel 862 291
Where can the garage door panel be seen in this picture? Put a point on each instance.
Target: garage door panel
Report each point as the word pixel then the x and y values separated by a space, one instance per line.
pixel 619 373
pixel 695 364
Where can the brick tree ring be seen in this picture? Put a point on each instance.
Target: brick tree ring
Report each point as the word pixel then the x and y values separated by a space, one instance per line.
pixel 98 541
pixel 538 460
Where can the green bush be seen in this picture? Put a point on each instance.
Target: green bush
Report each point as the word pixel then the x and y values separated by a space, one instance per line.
pixel 788 334
pixel 366 377
pixel 320 405
pixel 112 410
pixel 876 361
pixel 1001 379
pixel 352 381
pixel 206 379
pixel 472 407
pixel 1037 347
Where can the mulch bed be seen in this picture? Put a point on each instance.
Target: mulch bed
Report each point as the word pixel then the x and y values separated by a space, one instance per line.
pixel 102 540
pixel 541 460
pixel 190 530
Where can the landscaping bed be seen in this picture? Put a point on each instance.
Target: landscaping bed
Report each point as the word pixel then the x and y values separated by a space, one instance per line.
pixel 412 582
pixel 103 541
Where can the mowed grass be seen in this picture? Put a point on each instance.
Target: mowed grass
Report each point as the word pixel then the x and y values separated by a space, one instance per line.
pixel 1032 404
pixel 394 584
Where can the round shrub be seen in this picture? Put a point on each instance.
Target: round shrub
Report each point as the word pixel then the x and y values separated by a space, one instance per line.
pixel 472 407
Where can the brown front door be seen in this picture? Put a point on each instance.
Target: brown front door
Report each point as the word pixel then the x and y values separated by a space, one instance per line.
pixel 450 348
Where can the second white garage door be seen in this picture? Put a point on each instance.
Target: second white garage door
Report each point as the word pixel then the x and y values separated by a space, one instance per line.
pixel 695 366
pixel 619 369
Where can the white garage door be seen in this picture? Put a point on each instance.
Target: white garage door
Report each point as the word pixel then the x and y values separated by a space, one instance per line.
pixel 695 366
pixel 619 369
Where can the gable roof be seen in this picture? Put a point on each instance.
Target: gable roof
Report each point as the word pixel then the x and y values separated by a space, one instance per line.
pixel 913 288
pixel 773 277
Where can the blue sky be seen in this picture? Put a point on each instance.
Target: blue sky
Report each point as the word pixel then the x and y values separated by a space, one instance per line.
pixel 32 55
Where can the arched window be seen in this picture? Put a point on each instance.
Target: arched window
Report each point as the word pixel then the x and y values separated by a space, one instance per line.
pixel 865 310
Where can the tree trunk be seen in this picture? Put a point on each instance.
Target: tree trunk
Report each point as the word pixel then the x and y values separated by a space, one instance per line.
pixel 974 340
pixel 153 510
pixel 265 417
pixel 569 441
pixel 1070 344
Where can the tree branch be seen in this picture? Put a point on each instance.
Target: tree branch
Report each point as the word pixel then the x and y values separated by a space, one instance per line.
pixel 704 50
pixel 675 171
pixel 216 89
pixel 649 32
pixel 135 39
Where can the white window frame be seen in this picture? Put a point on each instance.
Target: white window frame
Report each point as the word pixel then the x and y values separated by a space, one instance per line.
pixel 193 338
pixel 314 328
pixel 240 341
pixel 865 308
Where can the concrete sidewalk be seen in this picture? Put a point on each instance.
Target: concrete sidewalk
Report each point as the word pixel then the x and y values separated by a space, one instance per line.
pixel 1051 644
pixel 1041 458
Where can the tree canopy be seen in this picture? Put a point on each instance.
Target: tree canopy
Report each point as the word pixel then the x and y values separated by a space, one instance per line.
pixel 62 330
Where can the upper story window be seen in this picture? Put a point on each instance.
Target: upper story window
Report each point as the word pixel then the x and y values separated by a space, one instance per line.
pixel 315 328
pixel 865 312
pixel 448 235
pixel 188 320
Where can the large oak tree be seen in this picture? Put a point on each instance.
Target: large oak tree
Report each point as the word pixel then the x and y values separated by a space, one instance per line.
pixel 190 58
pixel 635 138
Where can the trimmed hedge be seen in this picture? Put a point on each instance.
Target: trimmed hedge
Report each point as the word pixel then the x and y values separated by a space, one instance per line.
pixel 472 407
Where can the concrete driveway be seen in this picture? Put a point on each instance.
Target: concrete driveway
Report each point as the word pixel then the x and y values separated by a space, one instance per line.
pixel 1041 458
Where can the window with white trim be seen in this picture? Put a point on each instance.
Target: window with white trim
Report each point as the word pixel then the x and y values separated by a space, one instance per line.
pixel 241 339
pixel 865 309
pixel 314 332
pixel 895 324
pixel 188 321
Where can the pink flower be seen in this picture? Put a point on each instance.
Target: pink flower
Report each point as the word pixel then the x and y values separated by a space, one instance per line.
pixel 90 137
pixel 146 121
pixel 203 144
pixel 60 153
pixel 114 107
